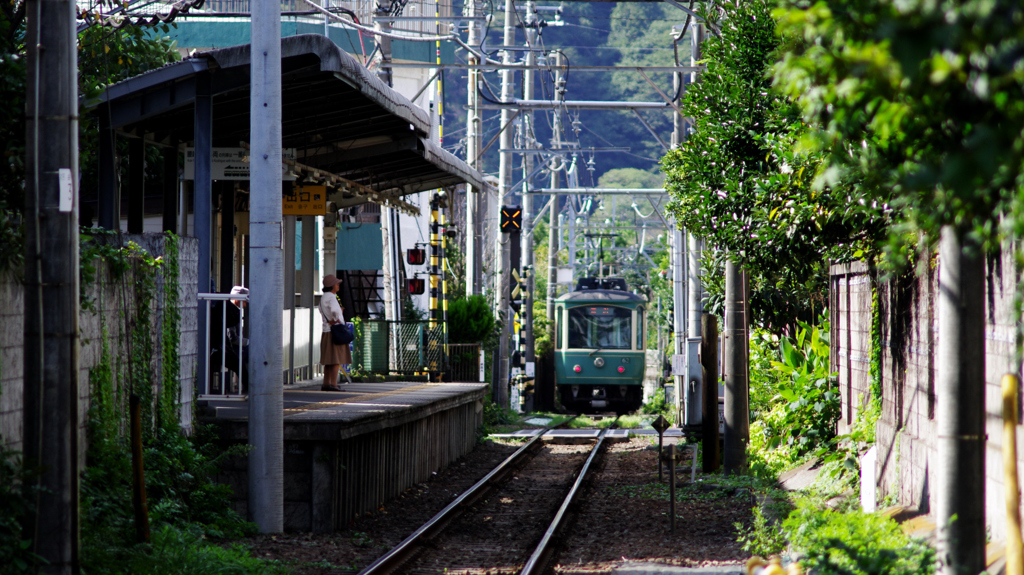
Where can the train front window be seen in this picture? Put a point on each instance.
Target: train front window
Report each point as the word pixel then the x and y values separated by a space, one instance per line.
pixel 600 326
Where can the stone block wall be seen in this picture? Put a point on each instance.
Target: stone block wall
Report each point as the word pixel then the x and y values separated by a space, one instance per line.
pixel 906 429
pixel 106 314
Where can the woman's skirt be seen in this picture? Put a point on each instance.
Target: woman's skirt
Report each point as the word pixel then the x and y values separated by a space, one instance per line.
pixel 331 354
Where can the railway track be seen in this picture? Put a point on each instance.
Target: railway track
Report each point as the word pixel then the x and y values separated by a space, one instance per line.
pixel 508 522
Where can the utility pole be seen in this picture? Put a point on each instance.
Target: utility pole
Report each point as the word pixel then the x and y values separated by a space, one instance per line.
pixel 51 283
pixel 679 321
pixel 735 364
pixel 473 268
pixel 266 394
pixel 553 235
pixel 960 416
pixel 528 223
pixel 500 386
pixel 389 216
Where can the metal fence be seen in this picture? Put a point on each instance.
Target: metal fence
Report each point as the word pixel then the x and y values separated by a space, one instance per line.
pixel 407 347
pixel 466 362
pixel 399 347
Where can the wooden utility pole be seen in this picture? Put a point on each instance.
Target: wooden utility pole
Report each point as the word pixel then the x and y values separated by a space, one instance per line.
pixel 266 393
pixel 960 412
pixel 51 283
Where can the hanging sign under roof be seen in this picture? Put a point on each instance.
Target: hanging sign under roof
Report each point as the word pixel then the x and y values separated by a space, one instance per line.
pixel 305 201
pixel 231 164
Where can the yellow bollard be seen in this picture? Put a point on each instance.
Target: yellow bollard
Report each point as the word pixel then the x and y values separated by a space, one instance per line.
pixel 1014 553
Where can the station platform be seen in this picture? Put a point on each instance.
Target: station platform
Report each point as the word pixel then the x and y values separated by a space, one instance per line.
pixel 347 452
pixel 358 408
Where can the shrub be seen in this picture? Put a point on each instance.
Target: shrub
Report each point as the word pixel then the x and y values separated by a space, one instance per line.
pixel 186 552
pixel 15 547
pixel 470 320
pixel 855 543
pixel 658 405
pixel 811 396
pixel 763 537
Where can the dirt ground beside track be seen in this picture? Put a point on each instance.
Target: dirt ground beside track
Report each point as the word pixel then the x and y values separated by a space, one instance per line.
pixel 625 517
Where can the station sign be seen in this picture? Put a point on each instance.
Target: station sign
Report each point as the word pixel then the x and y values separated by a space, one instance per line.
pixel 231 164
pixel 305 201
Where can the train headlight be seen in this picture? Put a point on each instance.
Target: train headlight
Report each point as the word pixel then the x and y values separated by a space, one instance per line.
pixel 598 362
pixel 577 368
pixel 622 369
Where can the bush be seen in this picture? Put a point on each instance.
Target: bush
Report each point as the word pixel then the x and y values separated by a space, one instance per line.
pixel 187 552
pixel 763 537
pixel 855 543
pixel 658 405
pixel 183 500
pixel 15 547
pixel 813 401
pixel 470 320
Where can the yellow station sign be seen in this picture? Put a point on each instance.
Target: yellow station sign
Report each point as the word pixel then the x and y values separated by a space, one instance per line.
pixel 305 201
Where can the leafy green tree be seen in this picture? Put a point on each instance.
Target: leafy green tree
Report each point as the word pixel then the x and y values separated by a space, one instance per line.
pixel 742 182
pixel 630 178
pixel 917 102
pixel 12 113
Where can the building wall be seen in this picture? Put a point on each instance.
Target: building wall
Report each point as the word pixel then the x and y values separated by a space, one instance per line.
pixel 104 314
pixel 906 429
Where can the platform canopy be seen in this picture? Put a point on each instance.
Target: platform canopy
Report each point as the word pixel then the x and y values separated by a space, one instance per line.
pixel 340 119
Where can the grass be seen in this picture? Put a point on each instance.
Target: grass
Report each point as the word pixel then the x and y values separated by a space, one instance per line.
pixel 638 421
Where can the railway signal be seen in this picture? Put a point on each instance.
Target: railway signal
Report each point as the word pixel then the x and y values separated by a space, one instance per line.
pixel 511 219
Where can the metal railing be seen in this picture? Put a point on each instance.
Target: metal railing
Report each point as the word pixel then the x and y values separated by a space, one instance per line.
pixel 465 362
pixel 219 383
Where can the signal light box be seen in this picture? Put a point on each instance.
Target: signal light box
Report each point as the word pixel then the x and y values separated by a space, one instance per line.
pixel 511 219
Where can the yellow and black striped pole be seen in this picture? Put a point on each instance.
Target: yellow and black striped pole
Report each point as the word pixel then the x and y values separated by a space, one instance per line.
pixel 444 282
pixel 435 248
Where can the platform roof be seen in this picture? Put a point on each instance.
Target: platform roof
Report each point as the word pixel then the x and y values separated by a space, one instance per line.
pixel 338 116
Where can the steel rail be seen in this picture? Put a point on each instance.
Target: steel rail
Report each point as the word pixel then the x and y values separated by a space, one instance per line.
pixel 542 553
pixel 404 551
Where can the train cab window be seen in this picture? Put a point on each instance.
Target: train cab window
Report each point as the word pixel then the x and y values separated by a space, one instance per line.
pixel 640 328
pixel 558 328
pixel 600 326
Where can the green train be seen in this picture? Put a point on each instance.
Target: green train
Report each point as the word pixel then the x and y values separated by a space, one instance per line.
pixel 599 347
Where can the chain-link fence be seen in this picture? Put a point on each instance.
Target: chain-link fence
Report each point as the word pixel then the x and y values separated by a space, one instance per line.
pixel 400 347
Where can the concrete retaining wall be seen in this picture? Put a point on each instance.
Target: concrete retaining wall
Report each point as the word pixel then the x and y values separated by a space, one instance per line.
pixel 906 428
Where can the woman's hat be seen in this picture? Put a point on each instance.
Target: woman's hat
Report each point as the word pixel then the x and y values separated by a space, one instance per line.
pixel 330 281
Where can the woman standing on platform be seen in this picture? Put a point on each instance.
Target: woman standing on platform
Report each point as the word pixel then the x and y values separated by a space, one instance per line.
pixel 332 356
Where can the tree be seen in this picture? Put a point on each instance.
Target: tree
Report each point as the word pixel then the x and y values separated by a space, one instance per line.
pixel 918 103
pixel 742 182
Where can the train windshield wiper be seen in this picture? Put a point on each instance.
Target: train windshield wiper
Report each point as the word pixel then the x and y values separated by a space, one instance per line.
pixel 596 350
